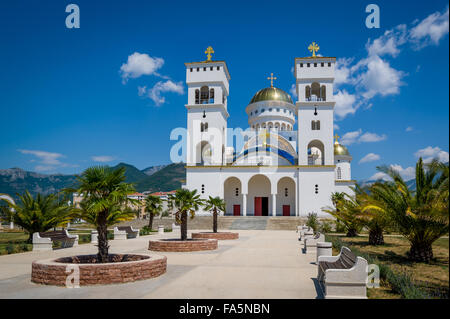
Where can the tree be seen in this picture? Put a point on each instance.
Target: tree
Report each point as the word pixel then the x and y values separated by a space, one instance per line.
pixel 375 220
pixel 422 215
pixel 153 205
pixel 104 202
pixel 347 209
pixel 215 204
pixel 185 201
pixel 39 213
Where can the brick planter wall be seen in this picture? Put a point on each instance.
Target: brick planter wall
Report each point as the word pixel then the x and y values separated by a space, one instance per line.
pixel 218 235
pixel 177 245
pixel 51 272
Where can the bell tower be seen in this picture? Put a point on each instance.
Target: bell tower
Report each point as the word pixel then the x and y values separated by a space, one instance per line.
pixel 314 84
pixel 208 89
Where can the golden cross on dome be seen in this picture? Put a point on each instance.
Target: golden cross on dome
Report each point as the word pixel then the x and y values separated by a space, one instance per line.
pixel 336 137
pixel 313 47
pixel 208 53
pixel 271 78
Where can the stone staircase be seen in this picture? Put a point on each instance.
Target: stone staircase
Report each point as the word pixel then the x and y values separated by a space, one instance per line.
pixel 227 222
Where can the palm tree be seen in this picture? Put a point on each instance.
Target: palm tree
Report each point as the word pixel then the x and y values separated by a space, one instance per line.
pixel 185 201
pixel 422 215
pixel 104 195
pixel 215 204
pixel 39 213
pixel 347 210
pixel 375 220
pixel 153 205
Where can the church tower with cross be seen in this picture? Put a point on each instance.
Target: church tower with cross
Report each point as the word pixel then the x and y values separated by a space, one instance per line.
pixel 208 89
pixel 288 162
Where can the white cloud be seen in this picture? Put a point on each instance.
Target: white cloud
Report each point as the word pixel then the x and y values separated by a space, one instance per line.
pixel 342 71
pixel 378 176
pixel 429 153
pixel 378 77
pixel 139 64
pixel 103 158
pixel 293 91
pixel 47 161
pixel 371 157
pixel 360 137
pixel 350 137
pixel 335 126
pixel 430 30
pixel 407 173
pixel 45 157
pixel 345 104
pixel 372 137
pixel 409 129
pixel 161 87
pixel 388 43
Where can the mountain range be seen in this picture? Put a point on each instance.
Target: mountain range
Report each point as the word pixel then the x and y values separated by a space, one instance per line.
pixel 153 178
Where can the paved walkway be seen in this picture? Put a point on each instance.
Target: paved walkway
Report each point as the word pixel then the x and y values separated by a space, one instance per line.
pixel 261 264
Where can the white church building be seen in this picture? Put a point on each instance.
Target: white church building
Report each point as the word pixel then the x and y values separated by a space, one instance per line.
pixel 269 169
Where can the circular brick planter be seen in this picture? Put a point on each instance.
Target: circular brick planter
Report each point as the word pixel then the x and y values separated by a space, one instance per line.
pixel 218 235
pixel 120 269
pixel 177 245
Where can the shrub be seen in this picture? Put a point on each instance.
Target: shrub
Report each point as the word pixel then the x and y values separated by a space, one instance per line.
pixel 325 227
pixel 10 249
pixel 339 226
pixel 312 221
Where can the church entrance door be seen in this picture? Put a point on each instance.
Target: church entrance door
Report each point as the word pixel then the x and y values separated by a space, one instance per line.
pixel 261 206
pixel 286 210
pixel 236 210
pixel 258 206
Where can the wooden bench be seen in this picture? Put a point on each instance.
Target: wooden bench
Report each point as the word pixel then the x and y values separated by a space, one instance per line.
pixel 44 240
pixel 125 232
pixel 343 276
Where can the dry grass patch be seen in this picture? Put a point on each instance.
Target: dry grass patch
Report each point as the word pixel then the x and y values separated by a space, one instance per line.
pixel 432 277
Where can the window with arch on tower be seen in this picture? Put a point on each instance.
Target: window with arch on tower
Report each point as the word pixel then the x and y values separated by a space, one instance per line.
pixel 339 173
pixel 204 127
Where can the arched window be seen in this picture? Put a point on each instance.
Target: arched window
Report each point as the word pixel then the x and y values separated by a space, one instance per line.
pixel 315 91
pixel 308 93
pixel 339 173
pixel 211 96
pixel 197 96
pixel 323 93
pixel 316 154
pixel 204 95
pixel 315 125
pixel 203 127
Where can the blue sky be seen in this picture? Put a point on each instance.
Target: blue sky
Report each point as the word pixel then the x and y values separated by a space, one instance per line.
pixel 69 98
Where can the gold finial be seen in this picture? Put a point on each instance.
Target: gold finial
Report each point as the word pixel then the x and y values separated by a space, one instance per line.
pixel 208 53
pixel 271 78
pixel 336 138
pixel 313 47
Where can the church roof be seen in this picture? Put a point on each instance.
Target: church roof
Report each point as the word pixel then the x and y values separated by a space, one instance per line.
pixel 340 149
pixel 271 94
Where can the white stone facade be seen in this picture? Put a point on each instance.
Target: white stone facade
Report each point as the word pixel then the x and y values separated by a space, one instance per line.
pixel 270 169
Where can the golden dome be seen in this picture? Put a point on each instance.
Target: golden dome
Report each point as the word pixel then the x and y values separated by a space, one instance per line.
pixel 340 149
pixel 271 94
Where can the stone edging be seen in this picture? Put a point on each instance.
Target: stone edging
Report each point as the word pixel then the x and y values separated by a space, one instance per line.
pixel 176 245
pixel 218 235
pixel 50 272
